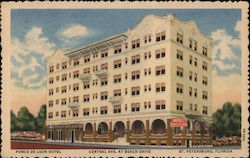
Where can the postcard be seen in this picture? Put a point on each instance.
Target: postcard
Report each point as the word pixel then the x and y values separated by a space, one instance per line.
pixel 120 79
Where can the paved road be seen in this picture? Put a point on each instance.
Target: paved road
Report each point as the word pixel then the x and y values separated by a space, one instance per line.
pixel 20 144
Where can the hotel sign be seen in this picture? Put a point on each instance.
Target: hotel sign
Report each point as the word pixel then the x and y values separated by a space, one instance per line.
pixel 178 123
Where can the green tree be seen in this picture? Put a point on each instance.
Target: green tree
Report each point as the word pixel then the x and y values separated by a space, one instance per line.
pixel 14 122
pixel 26 120
pixel 41 118
pixel 227 121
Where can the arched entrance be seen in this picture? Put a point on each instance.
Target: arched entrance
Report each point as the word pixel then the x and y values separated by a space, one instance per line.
pixel 138 127
pixel 158 127
pixel 102 128
pixel 119 128
pixel 88 128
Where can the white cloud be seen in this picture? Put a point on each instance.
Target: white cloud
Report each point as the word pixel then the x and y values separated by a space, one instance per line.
pixel 34 43
pixel 237 27
pixel 76 30
pixel 224 66
pixel 225 48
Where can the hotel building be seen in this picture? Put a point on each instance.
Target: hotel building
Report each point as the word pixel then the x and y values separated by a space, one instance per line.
pixel 151 84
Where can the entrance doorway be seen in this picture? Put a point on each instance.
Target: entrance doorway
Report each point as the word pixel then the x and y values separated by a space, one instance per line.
pixel 73 134
pixel 188 143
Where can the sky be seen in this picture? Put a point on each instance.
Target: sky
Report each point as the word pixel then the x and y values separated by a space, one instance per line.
pixel 36 33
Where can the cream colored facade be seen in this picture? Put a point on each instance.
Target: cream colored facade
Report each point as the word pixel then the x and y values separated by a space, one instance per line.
pixel 155 49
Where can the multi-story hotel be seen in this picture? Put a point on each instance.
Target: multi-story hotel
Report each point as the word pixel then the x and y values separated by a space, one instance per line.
pixel 148 85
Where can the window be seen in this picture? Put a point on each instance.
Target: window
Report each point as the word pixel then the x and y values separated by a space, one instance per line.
pixel 57 89
pixel 104 81
pixel 95 95
pixel 149 87
pixel 160 53
pixel 75 112
pixel 179 105
pixel 179 55
pixel 195 107
pixel 104 110
pixel 190 59
pixel 135 91
pixel 76 87
pixel 117 49
pixel 179 72
pixel 51 80
pixel 64 89
pixel 104 53
pixel 195 77
pixel 190 91
pixel 64 65
pixel 104 95
pixel 195 92
pixel 117 92
pixel 64 77
pixel 147 38
pixel 117 109
pixel 50 103
pixel 160 104
pixel 57 101
pixel 86 85
pixel 117 78
pixel 179 38
pixel 204 94
pixel 117 63
pixel 195 45
pixel 204 51
pixel 57 78
pixel 160 36
pixel 195 61
pixel 160 87
pixel 159 70
pixel 204 110
pixel 135 59
pixel 204 66
pixel 76 61
pixel 149 71
pixel 95 55
pixel 76 74
pixel 190 75
pixel 190 43
pixel 179 88
pixel 95 68
pixel 86 98
pixel 63 113
pixel 75 99
pixel 57 66
pixel 191 107
pixel 51 69
pixel 86 112
pixel 126 60
pixel 104 66
pixel 63 101
pixel 135 75
pixel 50 115
pixel 126 91
pixel 95 82
pixel 126 76
pixel 204 80
pixel 135 107
pixel 126 45
pixel 145 88
pixel 86 58
pixel 86 70
pixel 135 43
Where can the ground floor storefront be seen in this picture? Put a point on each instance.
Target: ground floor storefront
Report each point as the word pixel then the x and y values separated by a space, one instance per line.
pixel 134 132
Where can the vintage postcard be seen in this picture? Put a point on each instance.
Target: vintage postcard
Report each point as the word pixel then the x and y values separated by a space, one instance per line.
pixel 120 79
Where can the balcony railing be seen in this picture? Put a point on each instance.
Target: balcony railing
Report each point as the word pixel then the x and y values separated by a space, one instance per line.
pixel 116 99
pixel 102 72
pixel 85 77
pixel 74 105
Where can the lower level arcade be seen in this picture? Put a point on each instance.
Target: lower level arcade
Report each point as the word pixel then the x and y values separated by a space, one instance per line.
pixel 136 132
